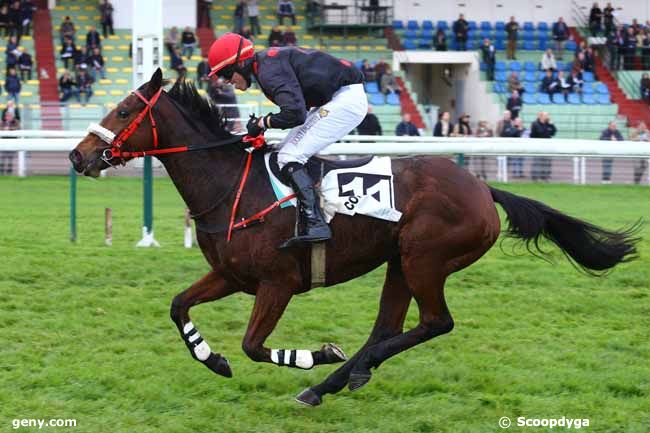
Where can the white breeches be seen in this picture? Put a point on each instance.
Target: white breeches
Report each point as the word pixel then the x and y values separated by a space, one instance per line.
pixel 324 125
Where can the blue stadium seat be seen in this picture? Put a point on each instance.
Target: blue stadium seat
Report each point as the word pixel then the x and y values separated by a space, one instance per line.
pixel 558 99
pixel 588 89
pixel 530 66
pixel 427 25
pixel 542 44
pixel 483 66
pixel 471 34
pixel 528 36
pixel 471 45
pixel 425 43
pixel 530 87
pixel 602 89
pixel 529 27
pixel 410 34
pixel 588 99
pixel 500 66
pixel 603 99
pixel 498 87
pixel 588 77
pixel 442 25
pixel 529 45
pixel 398 24
pixel 515 66
pixel 376 99
pixel 500 26
pixel 500 34
pixel 500 76
pixel 409 44
pixel 530 77
pixel 542 27
pixel 412 25
pixel 574 99
pixel 392 99
pixel 500 45
pixel 529 98
pixel 427 34
pixel 486 34
pixel 570 45
pixel 486 25
pixel 471 25
pixel 543 98
pixel 371 87
pixel 560 65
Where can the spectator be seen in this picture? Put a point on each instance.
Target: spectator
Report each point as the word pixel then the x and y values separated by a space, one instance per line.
pixel 4 20
pixel 560 35
pixel 12 84
pixel 512 28
pixel 93 40
pixel 253 17
pixel 67 87
pixel 80 59
pixel 645 87
pixel 514 104
pixel 289 37
pixel 202 71
pixel 542 128
pixel 25 64
pixel 608 18
pixel 177 63
pixel 549 84
pixel 595 19
pixel 11 110
pixel 27 10
pixel 246 33
pixel 483 130
pixel 12 53
pixel 629 39
pixel 172 40
pixel 462 128
pixel 223 94
pixel 645 49
pixel 388 82
pixel 275 37
pixel 640 133
pixel 514 83
pixel 189 42
pixel 460 29
pixel 368 71
pixel 444 127
pixel 581 47
pixel 9 122
pixel 370 124
pixel 440 40
pixel 504 123
pixel 380 68
pixel 240 11
pixel 548 61
pixel 406 127
pixel 564 85
pixel 576 81
pixel 67 30
pixel 96 64
pixel 106 18
pixel 489 58
pixel 516 163
pixel 636 26
pixel 590 61
pixel 610 134
pixel 614 42
pixel 16 19
pixel 84 83
pixel 286 9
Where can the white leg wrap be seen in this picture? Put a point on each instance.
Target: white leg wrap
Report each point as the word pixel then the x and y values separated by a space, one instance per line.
pixel 195 342
pixel 293 358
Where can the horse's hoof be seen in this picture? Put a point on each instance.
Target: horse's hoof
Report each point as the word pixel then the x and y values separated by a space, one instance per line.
pixel 333 353
pixel 308 398
pixel 218 364
pixel 357 380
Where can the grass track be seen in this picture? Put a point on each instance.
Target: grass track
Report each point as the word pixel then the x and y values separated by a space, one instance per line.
pixel 86 332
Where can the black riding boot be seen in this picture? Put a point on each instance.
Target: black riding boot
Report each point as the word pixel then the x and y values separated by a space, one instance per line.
pixel 313 227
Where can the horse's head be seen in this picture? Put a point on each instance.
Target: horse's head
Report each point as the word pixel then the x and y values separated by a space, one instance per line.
pixel 129 130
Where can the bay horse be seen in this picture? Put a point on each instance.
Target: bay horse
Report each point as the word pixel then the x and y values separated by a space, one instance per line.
pixel 449 221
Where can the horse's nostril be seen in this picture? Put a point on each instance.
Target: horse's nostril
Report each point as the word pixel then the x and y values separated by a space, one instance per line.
pixel 75 158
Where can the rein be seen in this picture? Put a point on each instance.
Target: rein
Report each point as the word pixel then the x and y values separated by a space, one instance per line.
pixel 115 151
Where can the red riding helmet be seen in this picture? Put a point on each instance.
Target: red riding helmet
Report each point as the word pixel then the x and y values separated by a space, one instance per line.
pixel 228 50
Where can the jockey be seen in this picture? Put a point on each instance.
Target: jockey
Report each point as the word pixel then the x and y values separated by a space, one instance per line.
pixel 296 80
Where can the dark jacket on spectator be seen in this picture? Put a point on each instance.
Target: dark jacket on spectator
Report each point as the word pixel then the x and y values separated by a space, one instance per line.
pixel 12 84
pixel 68 51
pixel 66 84
pixel 93 39
pixel 514 105
pixel 511 131
pixel 16 113
pixel 437 130
pixel 440 41
pixel 560 31
pixel 84 81
pixel 489 54
pixel 549 85
pixel 25 61
pixel 460 28
pixel 369 125
pixel 406 128
pixel 512 28
pixel 542 130
pixel 289 38
pixel 202 69
pixel 188 38
pixel 608 134
pixel 275 38
pixel 95 61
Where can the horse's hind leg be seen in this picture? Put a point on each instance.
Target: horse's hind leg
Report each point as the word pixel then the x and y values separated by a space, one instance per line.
pixel 395 300
pixel 426 281
pixel 209 288
pixel 270 302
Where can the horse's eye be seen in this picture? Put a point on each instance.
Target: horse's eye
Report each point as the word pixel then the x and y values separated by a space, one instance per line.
pixel 123 114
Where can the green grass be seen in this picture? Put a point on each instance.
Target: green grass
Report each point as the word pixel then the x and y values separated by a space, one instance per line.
pixel 86 331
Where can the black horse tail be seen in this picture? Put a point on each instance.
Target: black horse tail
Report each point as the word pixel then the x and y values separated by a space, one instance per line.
pixel 590 248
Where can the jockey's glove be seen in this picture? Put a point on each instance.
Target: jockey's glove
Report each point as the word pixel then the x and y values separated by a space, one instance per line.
pixel 253 128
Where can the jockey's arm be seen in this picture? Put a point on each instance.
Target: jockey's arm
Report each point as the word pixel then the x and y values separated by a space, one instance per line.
pixel 285 91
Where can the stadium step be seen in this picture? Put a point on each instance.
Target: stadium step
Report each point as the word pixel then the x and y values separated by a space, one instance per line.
pixel 409 106
pixel 44 53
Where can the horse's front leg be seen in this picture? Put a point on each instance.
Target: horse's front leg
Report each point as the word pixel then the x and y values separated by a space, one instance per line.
pixel 209 288
pixel 270 302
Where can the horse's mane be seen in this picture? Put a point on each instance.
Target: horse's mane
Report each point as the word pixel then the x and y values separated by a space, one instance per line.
pixel 201 108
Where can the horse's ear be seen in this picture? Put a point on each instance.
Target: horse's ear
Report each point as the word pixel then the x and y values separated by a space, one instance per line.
pixel 156 81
